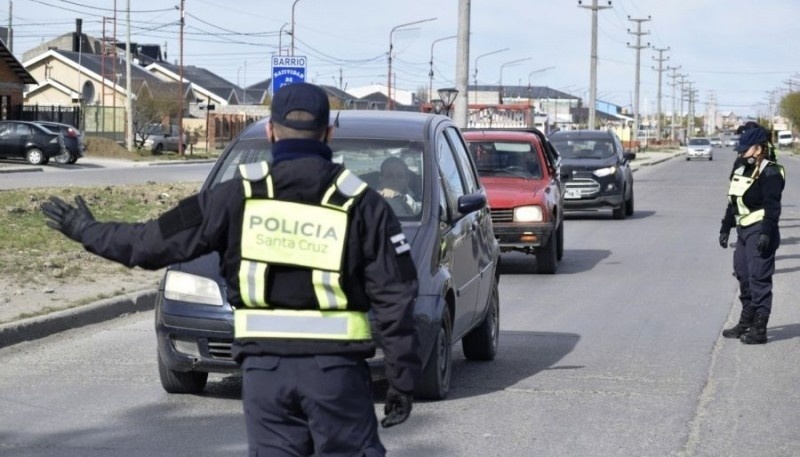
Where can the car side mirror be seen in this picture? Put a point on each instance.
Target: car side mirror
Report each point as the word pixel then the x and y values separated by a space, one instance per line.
pixel 629 156
pixel 470 203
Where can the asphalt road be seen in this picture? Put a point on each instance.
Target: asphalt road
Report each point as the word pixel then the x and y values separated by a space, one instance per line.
pixel 618 354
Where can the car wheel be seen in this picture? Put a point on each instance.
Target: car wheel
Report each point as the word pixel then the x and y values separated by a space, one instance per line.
pixel 481 343
pixel 619 213
pixel 35 156
pixel 687 159
pixel 158 149
pixel 629 205
pixel 560 240
pixel 63 159
pixel 546 256
pixel 177 382
pixel 434 383
pixel 710 158
pixel 72 159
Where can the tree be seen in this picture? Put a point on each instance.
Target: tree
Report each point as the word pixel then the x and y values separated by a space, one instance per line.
pixel 149 110
pixel 790 107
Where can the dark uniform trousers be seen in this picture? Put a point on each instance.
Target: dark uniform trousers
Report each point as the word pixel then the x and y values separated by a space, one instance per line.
pixel 754 270
pixel 318 405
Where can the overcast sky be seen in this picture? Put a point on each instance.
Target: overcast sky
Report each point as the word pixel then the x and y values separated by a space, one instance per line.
pixel 734 51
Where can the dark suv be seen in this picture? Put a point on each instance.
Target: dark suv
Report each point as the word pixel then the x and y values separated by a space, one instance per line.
pixel 597 171
pixel 73 141
pixel 29 141
pixel 444 216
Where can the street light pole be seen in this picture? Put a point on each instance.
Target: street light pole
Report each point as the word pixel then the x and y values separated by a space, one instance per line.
pixel 430 85
pixel 476 69
pixel 293 5
pixel 280 36
pixel 537 71
pixel 389 101
pixel 513 62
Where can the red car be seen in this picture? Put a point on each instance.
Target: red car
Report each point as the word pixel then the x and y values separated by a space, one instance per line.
pixel 521 171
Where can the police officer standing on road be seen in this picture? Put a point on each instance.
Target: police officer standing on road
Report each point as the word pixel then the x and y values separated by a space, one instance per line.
pixel 307 249
pixel 754 208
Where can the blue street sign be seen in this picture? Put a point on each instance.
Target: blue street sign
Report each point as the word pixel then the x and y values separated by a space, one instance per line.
pixel 287 70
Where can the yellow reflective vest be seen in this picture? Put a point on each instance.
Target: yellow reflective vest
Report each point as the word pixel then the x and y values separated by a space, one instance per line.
pixel 739 185
pixel 303 235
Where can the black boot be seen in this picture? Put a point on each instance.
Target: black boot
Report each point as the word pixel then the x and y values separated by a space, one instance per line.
pixel 758 332
pixel 745 322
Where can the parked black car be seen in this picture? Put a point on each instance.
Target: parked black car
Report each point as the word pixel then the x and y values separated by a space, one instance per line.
pixel 73 141
pixel 450 232
pixel 29 141
pixel 597 171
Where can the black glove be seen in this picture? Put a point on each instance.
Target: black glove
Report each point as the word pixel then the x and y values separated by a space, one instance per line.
pixel 69 220
pixel 723 240
pixel 762 244
pixel 397 407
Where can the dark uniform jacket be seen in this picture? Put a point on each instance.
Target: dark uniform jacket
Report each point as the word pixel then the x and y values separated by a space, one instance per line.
pixel 764 193
pixel 374 276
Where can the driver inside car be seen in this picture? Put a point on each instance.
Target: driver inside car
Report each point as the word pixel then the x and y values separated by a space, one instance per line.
pixel 393 186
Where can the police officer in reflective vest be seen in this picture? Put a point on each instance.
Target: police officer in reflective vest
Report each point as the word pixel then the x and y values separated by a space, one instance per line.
pixel 307 250
pixel 754 208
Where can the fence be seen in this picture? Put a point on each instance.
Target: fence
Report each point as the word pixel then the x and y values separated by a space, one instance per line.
pixel 63 114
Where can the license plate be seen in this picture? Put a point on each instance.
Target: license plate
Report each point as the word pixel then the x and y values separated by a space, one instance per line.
pixel 572 194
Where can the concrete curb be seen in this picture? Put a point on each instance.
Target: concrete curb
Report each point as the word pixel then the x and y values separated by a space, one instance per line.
pixel 93 313
pixel 13 169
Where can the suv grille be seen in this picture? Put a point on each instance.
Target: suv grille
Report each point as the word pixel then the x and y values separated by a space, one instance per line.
pixel 584 186
pixel 502 215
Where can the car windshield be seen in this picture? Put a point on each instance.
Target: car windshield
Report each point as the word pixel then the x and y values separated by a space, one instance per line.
pixel 506 158
pixel 382 164
pixel 583 148
pixel 155 129
pixel 699 142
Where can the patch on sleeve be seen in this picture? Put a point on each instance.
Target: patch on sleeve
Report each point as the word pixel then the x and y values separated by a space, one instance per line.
pixel 400 244
pixel 187 214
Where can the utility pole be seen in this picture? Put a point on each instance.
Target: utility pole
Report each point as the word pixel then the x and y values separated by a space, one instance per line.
pixel 10 26
pixel 638 47
pixel 461 106
pixel 674 83
pixel 180 83
pixel 593 67
pixel 661 59
pixel 128 101
pixel 683 84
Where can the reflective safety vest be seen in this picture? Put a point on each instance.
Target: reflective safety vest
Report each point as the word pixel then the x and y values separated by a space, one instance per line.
pixel 739 185
pixel 304 235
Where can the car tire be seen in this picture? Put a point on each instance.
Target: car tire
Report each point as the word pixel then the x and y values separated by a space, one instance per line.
pixel 629 205
pixel 177 382
pixel 63 159
pixel 434 384
pixel 547 255
pixel 619 213
pixel 560 239
pixel 35 156
pixel 72 159
pixel 158 149
pixel 482 341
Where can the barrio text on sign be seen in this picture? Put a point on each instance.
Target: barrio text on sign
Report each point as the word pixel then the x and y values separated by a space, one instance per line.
pixel 288 70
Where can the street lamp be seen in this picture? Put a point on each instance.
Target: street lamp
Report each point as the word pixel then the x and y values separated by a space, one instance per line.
pixel 437 105
pixel 430 86
pixel 280 35
pixel 292 32
pixel 513 62
pixel 389 101
pixel 537 71
pixel 448 97
pixel 476 69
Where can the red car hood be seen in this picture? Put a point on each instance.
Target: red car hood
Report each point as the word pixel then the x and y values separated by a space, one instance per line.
pixel 512 192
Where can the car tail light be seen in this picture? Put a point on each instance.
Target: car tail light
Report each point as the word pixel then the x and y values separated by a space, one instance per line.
pixel 71 132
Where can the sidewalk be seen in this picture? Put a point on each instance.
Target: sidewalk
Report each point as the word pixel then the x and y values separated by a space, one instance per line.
pixel 48 323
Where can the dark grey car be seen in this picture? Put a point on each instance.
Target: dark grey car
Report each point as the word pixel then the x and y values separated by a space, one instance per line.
pixel 449 229
pixel 597 171
pixel 29 141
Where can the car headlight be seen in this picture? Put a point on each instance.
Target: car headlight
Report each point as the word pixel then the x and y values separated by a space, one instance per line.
pixel 192 288
pixel 605 171
pixel 528 214
pixel 148 142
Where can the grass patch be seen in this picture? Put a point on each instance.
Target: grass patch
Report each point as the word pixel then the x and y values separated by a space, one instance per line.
pixel 33 253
